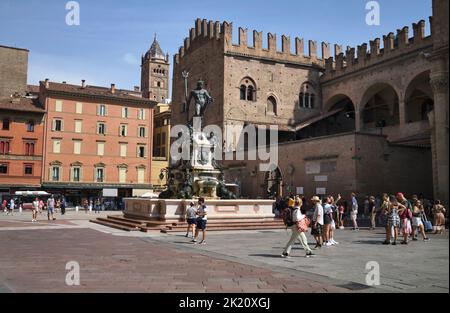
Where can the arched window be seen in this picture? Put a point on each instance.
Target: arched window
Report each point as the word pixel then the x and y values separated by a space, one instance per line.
pixel 250 93
pixel 271 105
pixel 243 92
pixel 307 96
pixel 247 90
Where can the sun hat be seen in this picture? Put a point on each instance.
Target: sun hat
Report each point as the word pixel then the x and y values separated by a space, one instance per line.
pixel 315 199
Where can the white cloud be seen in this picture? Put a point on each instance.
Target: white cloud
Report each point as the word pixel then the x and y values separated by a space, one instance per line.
pixel 130 59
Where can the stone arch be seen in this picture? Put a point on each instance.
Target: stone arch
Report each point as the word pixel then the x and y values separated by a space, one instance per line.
pixel 379 106
pixel 273 104
pixel 419 99
pixel 274 183
pixel 308 95
pixel 247 89
pixel 344 118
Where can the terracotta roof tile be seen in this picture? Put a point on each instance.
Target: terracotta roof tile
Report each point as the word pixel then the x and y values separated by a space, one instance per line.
pixel 21 104
pixel 95 91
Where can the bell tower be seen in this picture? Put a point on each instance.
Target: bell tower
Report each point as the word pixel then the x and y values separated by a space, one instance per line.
pixel 155 73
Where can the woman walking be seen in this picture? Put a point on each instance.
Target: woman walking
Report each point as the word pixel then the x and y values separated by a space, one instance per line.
pixel 393 223
pixel 418 210
pixel 298 230
pixel 372 212
pixel 405 216
pixel 35 210
pixel 439 217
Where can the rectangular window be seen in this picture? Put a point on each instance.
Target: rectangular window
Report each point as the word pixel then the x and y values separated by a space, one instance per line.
pixel 78 126
pixel 55 173
pixel 79 108
pixel 142 132
pixel 100 148
pixel 125 112
pixel 141 114
pixel 77 147
pixel 100 174
pixel 101 110
pixel 141 175
pixel 101 128
pixel 76 174
pixel 5 124
pixel 123 150
pixel 4 147
pixel 56 146
pixel 3 169
pixel 28 169
pixel 29 148
pixel 141 152
pixel 30 126
pixel 58 106
pixel 57 125
pixel 123 130
pixel 122 175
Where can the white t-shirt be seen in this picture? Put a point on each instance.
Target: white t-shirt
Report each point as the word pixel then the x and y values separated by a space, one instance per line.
pixel 202 211
pixel 328 208
pixel 297 216
pixel 318 214
pixel 191 212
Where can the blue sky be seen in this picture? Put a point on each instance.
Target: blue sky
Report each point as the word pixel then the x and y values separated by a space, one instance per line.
pixel 106 47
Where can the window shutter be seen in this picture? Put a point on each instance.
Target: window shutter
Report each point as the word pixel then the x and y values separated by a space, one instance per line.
pixel 143 114
pixel 98 109
pixel 53 125
pixel 62 125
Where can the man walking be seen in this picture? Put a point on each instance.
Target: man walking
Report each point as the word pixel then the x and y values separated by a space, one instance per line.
pixel 298 229
pixel 51 208
pixel 317 223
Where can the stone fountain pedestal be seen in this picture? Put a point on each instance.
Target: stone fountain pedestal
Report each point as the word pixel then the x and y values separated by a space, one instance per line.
pixel 175 210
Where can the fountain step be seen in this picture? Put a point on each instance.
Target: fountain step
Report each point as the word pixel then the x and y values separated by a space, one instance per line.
pixel 114 225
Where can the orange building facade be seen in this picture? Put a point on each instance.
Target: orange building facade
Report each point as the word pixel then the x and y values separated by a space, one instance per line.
pixel 21 144
pixel 98 141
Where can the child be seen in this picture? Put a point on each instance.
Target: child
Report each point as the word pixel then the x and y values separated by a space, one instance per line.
pixel 191 214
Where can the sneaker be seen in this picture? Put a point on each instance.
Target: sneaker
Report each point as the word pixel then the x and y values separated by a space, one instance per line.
pixel 426 239
pixel 328 244
pixel 334 242
pixel 187 235
pixel 194 241
pixel 386 242
pixel 284 255
pixel 309 254
pixel 414 239
pixel 404 243
pixel 203 242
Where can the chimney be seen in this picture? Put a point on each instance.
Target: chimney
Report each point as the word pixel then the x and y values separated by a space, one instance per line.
pixel 83 83
pixel 137 88
pixel 47 84
pixel 113 88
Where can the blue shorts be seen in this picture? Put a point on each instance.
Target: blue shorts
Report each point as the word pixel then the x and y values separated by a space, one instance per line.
pixel 192 221
pixel 50 210
pixel 201 224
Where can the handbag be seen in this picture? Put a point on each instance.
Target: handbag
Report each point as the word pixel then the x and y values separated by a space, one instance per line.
pixel 303 224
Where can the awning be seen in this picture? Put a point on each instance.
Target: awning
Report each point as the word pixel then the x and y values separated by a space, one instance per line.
pixel 316 119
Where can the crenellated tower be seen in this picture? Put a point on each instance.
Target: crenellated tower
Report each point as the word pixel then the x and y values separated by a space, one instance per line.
pixel 155 73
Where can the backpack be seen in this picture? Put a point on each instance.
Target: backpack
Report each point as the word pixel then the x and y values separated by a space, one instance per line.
pixel 288 217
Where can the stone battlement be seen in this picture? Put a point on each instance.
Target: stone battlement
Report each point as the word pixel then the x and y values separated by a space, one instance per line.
pixel 206 31
pixel 393 46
